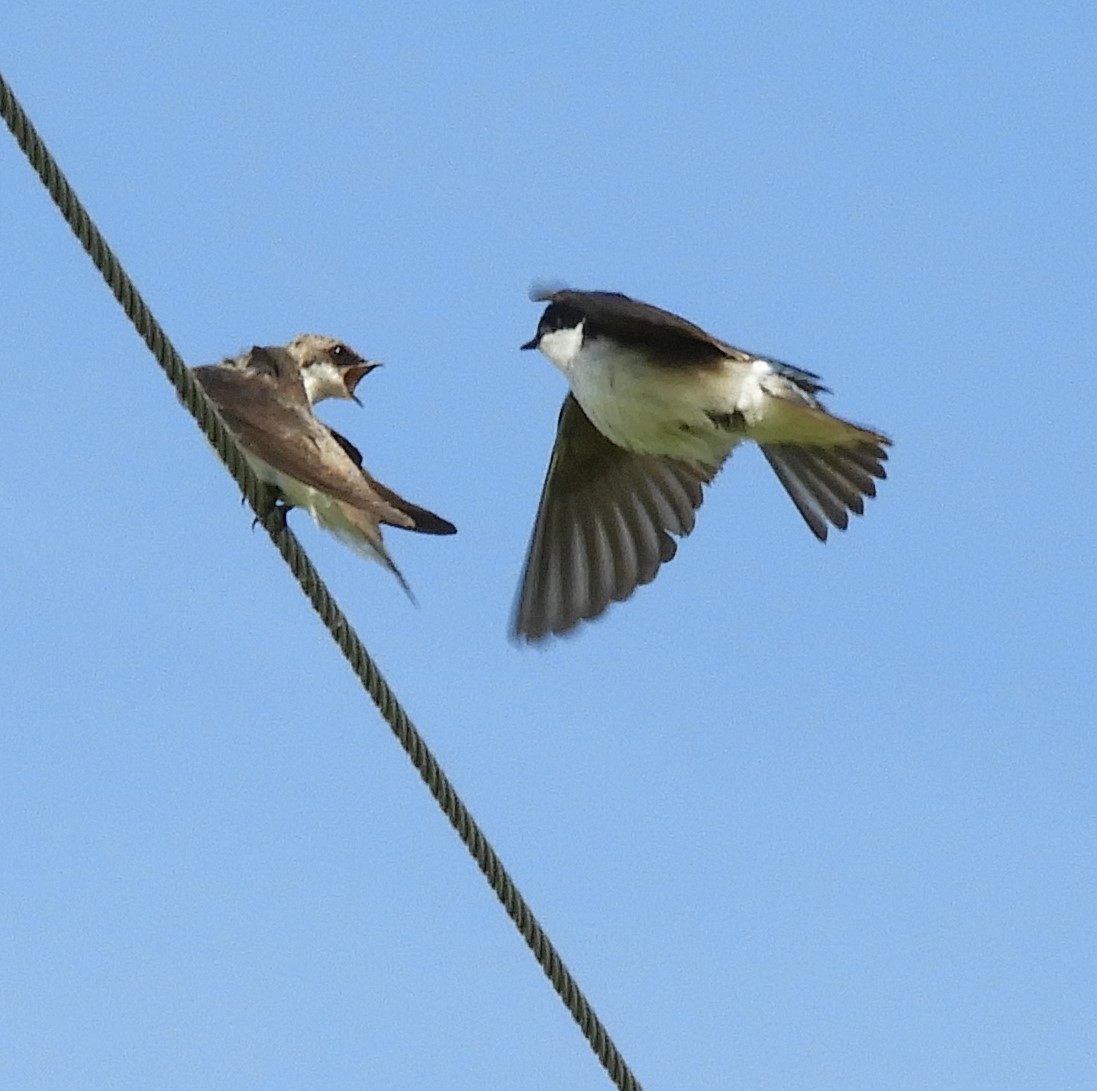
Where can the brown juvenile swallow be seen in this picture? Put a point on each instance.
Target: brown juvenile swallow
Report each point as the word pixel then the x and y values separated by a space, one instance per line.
pixel 655 408
pixel 264 397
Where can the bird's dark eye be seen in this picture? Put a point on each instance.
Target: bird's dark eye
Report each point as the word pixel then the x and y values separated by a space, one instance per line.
pixel 339 351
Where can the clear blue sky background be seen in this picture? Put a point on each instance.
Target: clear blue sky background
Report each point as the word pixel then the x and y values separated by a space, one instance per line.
pixel 796 816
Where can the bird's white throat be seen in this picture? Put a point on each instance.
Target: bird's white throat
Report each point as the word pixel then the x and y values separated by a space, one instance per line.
pixel 323 380
pixel 562 346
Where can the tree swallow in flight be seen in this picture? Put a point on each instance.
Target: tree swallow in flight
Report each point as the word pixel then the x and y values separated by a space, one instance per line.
pixel 265 395
pixel 656 405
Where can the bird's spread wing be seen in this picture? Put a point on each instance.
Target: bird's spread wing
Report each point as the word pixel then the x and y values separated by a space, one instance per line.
pixel 604 526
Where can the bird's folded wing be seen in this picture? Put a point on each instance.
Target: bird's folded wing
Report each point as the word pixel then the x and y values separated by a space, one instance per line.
pixel 411 516
pixel 264 415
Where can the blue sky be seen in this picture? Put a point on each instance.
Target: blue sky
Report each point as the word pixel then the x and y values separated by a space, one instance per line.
pixel 796 816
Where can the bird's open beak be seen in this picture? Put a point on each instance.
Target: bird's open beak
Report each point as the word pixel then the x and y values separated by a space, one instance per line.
pixel 529 344
pixel 354 375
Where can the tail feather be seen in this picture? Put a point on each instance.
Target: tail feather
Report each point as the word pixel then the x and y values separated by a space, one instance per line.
pixel 365 538
pixel 800 491
pixel 835 498
pixel 418 518
pixel 799 495
pixel 869 455
pixel 855 476
pixel 829 480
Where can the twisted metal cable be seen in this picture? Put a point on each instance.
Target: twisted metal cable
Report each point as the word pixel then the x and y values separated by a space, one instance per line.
pixel 194 398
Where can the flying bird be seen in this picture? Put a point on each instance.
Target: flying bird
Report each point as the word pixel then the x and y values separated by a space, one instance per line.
pixel 265 397
pixel 656 406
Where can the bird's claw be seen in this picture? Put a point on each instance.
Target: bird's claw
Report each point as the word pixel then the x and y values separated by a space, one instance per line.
pixel 274 518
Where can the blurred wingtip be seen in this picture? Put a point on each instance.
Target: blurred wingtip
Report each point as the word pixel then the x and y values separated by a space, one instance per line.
pixel 541 291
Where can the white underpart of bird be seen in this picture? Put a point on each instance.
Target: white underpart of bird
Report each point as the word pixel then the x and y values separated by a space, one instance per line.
pixel 651 409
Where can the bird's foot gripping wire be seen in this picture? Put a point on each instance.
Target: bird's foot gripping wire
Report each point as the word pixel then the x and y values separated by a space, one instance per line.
pixel 273 517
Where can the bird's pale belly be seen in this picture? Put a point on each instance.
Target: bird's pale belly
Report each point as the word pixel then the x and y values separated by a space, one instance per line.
pixel 652 411
pixel 327 511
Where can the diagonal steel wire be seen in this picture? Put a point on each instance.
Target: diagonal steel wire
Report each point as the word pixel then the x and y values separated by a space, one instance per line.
pixel 193 397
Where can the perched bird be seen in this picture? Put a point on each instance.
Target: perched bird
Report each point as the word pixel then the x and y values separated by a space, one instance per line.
pixel 264 396
pixel 656 405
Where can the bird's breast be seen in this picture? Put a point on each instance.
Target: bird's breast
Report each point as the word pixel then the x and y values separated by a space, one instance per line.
pixel 675 410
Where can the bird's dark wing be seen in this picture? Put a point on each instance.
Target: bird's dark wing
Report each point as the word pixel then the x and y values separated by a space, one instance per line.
pixel 632 323
pixel 604 526
pixel 421 519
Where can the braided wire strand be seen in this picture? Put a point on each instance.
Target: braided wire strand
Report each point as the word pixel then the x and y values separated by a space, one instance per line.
pixel 205 414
